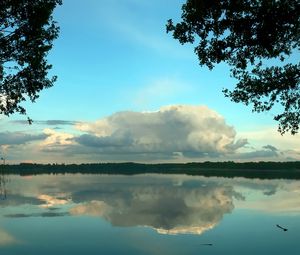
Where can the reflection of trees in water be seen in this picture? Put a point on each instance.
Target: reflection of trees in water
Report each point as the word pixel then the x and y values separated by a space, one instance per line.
pixel 3 182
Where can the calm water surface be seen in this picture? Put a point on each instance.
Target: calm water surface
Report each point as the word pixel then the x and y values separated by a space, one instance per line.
pixel 148 214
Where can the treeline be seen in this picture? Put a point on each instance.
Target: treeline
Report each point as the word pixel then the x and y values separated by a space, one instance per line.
pixel 269 170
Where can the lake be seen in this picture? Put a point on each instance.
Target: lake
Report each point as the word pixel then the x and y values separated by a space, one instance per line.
pixel 148 214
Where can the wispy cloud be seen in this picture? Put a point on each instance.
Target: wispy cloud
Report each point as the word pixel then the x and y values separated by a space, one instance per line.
pixel 47 122
pixel 270 147
pixel 264 154
pixel 142 30
pixel 17 138
pixel 262 136
pixel 273 145
pixel 160 90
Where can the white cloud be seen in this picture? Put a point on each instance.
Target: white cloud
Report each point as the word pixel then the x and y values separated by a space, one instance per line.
pixel 100 127
pixel 175 133
pixel 191 131
pixel 272 143
pixel 159 90
pixel 270 135
pixel 56 140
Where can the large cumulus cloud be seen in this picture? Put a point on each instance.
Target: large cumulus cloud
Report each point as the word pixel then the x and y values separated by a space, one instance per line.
pixel 173 131
pixel 176 133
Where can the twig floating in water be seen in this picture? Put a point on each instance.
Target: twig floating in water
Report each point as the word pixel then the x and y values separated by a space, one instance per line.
pixel 284 229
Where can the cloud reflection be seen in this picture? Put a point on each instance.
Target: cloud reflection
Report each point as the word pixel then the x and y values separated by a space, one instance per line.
pixel 41 214
pixel 170 204
pixel 189 208
pixel 51 201
pixel 6 238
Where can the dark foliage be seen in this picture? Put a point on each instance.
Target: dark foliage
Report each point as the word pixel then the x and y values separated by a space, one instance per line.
pixel 27 31
pixel 246 34
pixel 263 170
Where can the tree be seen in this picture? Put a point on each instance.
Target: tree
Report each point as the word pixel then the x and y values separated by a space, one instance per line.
pixel 256 38
pixel 27 31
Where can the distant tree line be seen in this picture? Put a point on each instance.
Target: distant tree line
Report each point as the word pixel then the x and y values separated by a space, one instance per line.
pixel 265 170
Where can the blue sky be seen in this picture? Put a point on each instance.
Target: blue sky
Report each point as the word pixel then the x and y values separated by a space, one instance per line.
pixel 115 63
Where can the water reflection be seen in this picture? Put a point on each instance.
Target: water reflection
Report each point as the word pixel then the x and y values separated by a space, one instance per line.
pixel 169 209
pixel 168 204
pixel 6 238
pixel 3 183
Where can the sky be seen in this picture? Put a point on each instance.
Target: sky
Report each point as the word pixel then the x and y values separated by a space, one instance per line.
pixel 127 91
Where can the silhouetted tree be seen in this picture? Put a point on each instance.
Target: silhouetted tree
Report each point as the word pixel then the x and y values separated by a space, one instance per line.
pixel 247 34
pixel 27 31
